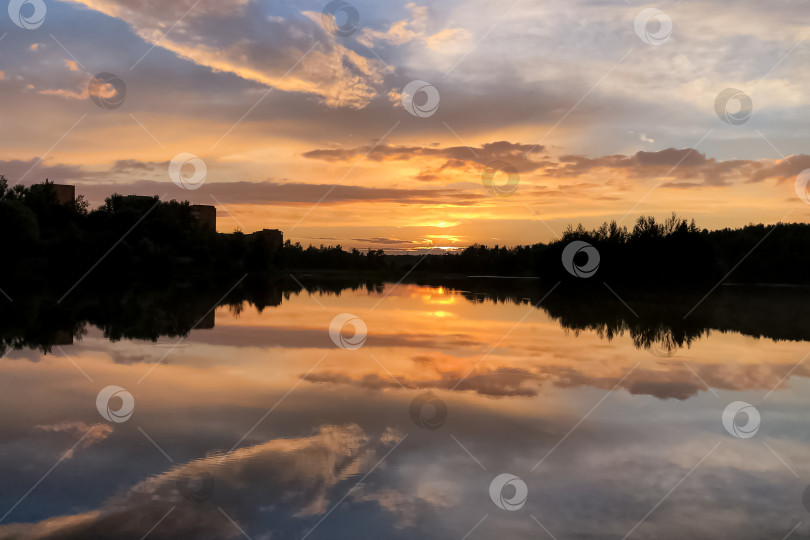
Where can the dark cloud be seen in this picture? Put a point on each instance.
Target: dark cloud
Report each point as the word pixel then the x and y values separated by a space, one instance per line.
pixel 34 171
pixel 301 337
pixel 299 489
pixel 515 154
pixel 92 184
pixel 674 382
pixel 498 382
pixel 273 193
pixel 683 163
pixel 385 241
pixel 691 167
pixel 133 165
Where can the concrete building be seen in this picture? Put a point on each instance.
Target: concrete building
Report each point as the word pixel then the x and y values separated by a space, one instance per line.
pixel 274 237
pixel 65 194
pixel 62 337
pixel 208 320
pixel 206 215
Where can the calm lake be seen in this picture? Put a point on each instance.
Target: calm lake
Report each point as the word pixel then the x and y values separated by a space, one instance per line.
pixel 462 414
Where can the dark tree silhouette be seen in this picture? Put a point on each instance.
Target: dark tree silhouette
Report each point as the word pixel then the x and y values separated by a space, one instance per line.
pixel 143 238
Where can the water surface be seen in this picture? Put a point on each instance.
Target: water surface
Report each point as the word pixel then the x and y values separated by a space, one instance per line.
pixel 258 425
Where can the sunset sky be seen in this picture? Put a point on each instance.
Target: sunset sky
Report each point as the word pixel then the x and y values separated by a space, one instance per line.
pixel 306 130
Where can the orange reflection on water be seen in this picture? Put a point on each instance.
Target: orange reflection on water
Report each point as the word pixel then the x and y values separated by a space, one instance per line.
pixel 285 421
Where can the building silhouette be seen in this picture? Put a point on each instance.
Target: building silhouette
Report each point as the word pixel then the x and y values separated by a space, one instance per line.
pixel 204 214
pixel 273 237
pixel 65 194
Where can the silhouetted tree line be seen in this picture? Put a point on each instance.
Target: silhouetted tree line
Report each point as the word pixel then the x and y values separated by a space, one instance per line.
pixel 139 238
pixel 149 311
pixel 661 321
pixel 672 252
pixel 146 239
pixel 478 260
pixel 669 253
pixel 675 252
pixel 331 258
